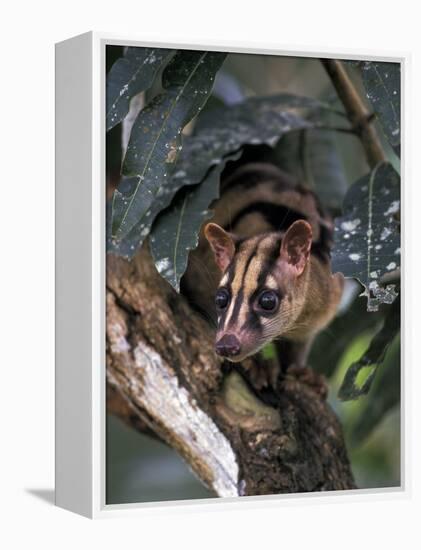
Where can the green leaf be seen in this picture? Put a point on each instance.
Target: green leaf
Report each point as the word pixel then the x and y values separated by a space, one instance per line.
pixel 372 358
pixel 129 76
pixel 384 395
pixel 329 345
pixel 155 140
pixel 255 121
pixel 176 230
pixel 367 242
pixel 382 82
pixel 244 111
pixel 312 156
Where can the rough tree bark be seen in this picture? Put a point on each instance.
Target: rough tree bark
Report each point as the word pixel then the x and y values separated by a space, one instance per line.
pixel 164 377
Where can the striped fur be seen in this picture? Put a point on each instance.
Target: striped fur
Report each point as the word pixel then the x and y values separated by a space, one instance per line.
pixel 256 214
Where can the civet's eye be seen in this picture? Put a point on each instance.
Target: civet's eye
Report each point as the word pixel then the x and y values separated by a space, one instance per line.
pixel 268 300
pixel 222 298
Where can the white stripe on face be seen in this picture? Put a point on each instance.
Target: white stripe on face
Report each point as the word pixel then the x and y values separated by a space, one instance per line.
pixel 224 280
pixel 245 280
pixel 271 282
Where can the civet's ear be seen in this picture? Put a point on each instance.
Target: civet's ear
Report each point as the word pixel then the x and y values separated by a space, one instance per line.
pixel 222 244
pixel 296 246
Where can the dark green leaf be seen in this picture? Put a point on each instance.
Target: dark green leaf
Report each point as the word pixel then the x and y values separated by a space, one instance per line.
pixel 383 86
pixel 372 358
pixel 384 395
pixel 312 156
pixel 129 76
pixel 367 241
pixel 155 140
pixel 243 112
pixel 176 230
pixel 329 345
pixel 255 121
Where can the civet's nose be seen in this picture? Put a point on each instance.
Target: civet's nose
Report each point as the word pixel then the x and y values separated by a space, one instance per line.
pixel 228 346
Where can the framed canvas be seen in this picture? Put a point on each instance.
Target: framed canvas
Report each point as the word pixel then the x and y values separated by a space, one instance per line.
pixel 230 244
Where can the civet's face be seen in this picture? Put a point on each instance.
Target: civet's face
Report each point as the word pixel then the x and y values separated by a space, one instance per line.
pixel 255 300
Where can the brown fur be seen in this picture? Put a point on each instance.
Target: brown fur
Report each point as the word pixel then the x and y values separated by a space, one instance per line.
pixel 308 292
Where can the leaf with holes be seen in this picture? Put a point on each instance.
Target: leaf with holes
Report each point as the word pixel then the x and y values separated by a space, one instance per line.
pixel 130 75
pixel 155 139
pixel 176 230
pixel 367 241
pixel 382 82
pixel 372 358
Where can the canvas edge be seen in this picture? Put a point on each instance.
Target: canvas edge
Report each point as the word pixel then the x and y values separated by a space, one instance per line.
pixel 98 507
pixel 73 249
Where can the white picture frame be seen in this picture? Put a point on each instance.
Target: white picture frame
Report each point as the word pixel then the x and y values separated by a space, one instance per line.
pixel 80 280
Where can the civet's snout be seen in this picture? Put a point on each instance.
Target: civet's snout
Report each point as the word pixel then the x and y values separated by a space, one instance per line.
pixel 228 346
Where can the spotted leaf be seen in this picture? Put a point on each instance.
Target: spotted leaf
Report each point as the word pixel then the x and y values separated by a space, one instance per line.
pixel 254 121
pixel 131 74
pixel 176 230
pixel 155 140
pixel 367 240
pixel 382 82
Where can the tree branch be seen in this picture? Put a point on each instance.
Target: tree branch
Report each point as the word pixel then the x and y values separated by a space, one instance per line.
pixel 361 119
pixel 163 375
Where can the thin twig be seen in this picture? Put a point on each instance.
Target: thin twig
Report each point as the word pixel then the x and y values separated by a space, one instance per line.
pixel 357 112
